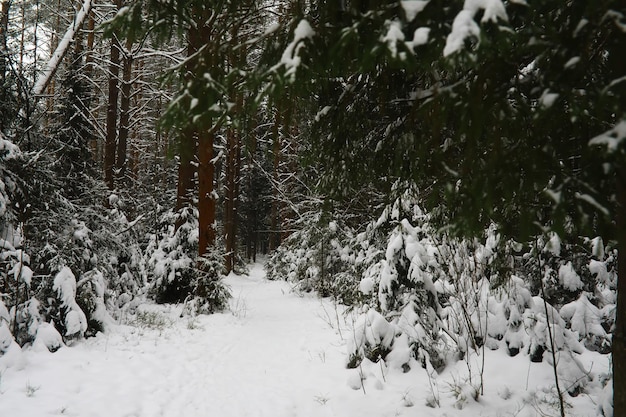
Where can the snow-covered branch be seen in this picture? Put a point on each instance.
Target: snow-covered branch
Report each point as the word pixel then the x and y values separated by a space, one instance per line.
pixel 59 53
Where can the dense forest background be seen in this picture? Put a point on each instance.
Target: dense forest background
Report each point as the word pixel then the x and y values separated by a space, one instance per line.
pixel 456 167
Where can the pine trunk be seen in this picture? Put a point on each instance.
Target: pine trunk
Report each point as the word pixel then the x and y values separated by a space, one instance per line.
pixel 4 28
pixel 91 34
pixel 206 199
pixel 186 170
pixel 112 109
pixel 22 38
pixel 187 143
pixel 274 240
pixel 206 167
pixel 121 163
pixel 252 217
pixel 94 144
pixel 232 193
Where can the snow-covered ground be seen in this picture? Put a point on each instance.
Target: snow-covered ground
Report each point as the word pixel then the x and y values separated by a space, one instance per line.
pixel 275 354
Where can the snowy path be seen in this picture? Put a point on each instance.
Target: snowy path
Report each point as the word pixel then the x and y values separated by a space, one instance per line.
pixel 269 357
pixel 274 355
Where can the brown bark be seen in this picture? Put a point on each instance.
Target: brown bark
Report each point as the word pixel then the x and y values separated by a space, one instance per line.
pixel 289 148
pixel 252 218
pixel 206 199
pixel 194 143
pixel 94 143
pixel 187 143
pixel 135 165
pixel 207 204
pixel 91 25
pixel 121 163
pixel 54 42
pixel 233 164
pixel 274 239
pixel 232 194
pixel 186 169
pixel 112 108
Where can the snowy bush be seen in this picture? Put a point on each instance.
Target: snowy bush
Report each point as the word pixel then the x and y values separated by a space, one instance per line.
pixel 27 319
pixel 328 256
pixel 176 273
pixel 427 296
pixel 330 244
pixel 6 338
pixel 171 263
pixel 15 283
pixel 450 295
pixel 48 338
pixel 93 258
pixel 209 293
pixel 74 321
pixel 586 320
pixel 90 296
pixel 372 339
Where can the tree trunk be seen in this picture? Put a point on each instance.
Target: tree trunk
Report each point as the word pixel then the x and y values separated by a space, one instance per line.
pixel 617 67
pixel 206 199
pixel 232 194
pixel 186 170
pixel 4 28
pixel 4 88
pixel 289 149
pixel 91 34
pixel 619 334
pixel 112 108
pixel 54 44
pixel 57 56
pixel 253 200
pixel 274 239
pixel 187 142
pixel 94 144
pixel 122 141
pixel 22 37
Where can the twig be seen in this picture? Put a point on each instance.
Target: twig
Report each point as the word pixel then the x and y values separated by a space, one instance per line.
pixel 554 366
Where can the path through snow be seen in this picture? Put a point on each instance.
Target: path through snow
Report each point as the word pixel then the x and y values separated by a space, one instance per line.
pixel 276 354
pixel 272 356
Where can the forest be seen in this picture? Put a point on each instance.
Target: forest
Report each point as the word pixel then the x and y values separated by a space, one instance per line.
pixel 449 174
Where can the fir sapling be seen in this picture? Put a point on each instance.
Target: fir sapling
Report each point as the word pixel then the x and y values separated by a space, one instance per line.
pixel 75 321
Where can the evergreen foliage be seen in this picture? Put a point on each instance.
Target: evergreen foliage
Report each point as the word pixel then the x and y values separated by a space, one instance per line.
pixel 427 295
pixel 175 274
pixel 418 115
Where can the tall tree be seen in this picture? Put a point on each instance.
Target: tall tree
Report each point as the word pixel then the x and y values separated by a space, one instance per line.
pixel 121 154
pixel 4 28
pixel 5 95
pixel 110 144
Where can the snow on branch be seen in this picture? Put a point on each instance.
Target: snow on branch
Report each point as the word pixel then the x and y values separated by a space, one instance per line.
pixel 291 58
pixel 59 53
pixel 611 138
pixel 464 25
